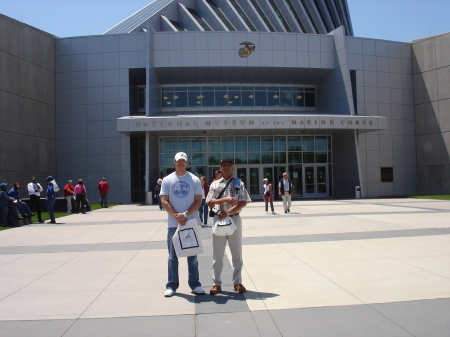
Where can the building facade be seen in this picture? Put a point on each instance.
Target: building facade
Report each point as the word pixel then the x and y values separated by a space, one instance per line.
pixel 278 86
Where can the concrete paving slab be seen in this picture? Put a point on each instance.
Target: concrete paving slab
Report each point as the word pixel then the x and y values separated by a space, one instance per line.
pixel 331 267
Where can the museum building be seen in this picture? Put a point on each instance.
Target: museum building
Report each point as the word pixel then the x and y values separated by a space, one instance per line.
pixel 278 86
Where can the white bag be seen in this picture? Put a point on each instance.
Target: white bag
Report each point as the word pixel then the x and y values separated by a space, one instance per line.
pixel 187 240
pixel 224 227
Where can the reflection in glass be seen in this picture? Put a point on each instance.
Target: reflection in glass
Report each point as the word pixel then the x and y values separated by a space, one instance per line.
pixel 198 145
pixel 308 144
pixel 214 159
pixel 254 158
pixel 279 144
pixel 240 158
pixel 308 157
pixel 241 144
pixel 321 143
pixel 280 157
pixel 228 145
pixel 253 144
pixel 198 159
pixel 321 157
pixel 266 157
pixel 295 157
pixel 214 145
pixel 294 144
pixel 266 144
pixel 248 97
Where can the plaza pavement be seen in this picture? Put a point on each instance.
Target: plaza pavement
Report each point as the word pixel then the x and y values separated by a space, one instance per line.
pixel 357 267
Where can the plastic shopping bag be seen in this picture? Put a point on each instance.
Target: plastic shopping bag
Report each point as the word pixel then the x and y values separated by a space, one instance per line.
pixel 187 240
pixel 224 227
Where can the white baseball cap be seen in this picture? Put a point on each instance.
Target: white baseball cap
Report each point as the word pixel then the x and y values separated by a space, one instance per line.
pixel 181 155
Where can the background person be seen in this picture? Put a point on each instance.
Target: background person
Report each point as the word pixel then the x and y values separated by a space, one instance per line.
pixel 52 188
pixel 7 204
pixel 81 193
pixel 103 187
pixel 157 192
pixel 285 189
pixel 181 196
pixel 268 195
pixel 34 190
pixel 69 193
pixel 203 210
pixel 22 207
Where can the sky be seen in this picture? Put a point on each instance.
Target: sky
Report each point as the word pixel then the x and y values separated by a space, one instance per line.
pixel 395 20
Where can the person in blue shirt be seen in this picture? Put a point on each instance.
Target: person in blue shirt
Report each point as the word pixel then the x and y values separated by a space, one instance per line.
pixel 23 208
pixel 6 204
pixel 52 188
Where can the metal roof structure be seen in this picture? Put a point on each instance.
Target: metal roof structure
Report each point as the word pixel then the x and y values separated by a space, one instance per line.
pixel 285 16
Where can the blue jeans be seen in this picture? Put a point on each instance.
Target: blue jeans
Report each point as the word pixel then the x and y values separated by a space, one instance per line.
pixel 173 280
pixel 203 213
pixel 50 200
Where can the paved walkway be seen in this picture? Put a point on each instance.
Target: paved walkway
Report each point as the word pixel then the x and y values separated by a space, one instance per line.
pixel 366 267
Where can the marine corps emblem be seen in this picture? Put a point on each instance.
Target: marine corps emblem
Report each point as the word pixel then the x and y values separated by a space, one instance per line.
pixel 247 50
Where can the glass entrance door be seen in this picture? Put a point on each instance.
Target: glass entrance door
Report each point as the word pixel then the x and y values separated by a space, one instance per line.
pixel 251 178
pixel 315 178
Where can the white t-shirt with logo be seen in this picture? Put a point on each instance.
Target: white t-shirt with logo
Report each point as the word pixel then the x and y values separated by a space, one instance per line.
pixel 181 191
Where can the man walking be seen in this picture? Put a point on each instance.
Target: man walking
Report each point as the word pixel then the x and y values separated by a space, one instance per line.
pixel 34 190
pixel 181 197
pixel 103 187
pixel 233 198
pixel 285 189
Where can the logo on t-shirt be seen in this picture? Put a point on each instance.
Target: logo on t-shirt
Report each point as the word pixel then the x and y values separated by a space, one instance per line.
pixel 181 189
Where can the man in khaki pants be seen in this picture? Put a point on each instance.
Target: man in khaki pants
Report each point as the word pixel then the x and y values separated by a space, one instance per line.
pixel 286 189
pixel 232 200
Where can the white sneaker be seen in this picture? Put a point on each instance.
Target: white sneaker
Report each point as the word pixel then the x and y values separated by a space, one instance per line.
pixel 267 212
pixel 169 292
pixel 198 290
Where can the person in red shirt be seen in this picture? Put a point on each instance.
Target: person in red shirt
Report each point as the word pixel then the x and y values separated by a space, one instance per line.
pixel 69 193
pixel 103 187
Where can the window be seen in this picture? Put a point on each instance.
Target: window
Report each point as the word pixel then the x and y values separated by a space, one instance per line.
pixel 197 97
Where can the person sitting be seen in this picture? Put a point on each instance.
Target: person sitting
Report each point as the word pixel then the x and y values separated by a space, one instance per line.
pixel 23 207
pixel 7 204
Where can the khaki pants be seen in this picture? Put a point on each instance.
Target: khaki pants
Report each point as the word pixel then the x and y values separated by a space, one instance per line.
pixel 286 200
pixel 235 244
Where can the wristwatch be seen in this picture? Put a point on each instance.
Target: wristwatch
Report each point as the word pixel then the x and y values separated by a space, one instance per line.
pixel 185 215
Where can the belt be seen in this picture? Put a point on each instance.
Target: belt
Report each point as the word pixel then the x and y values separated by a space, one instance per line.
pixel 232 215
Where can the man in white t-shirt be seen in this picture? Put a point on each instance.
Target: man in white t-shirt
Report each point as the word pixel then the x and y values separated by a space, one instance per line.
pixel 181 197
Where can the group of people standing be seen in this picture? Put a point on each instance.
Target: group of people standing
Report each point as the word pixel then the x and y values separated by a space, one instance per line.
pixel 10 200
pixel 79 194
pixel 183 196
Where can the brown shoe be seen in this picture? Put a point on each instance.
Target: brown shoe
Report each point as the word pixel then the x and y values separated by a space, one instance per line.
pixel 215 290
pixel 239 288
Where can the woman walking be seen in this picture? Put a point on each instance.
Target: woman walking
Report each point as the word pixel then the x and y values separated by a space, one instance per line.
pixel 268 195
pixel 203 210
pixel 80 191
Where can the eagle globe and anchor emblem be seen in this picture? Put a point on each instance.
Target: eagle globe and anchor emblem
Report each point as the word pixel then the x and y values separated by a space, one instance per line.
pixel 247 50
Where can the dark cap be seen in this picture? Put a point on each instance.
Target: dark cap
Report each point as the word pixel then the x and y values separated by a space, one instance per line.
pixel 33 178
pixel 16 185
pixel 225 160
pixel 49 177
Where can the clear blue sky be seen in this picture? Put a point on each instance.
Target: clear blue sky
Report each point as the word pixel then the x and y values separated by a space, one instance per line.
pixel 397 20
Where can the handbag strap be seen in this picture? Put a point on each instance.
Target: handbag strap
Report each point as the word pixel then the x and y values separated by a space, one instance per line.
pixel 224 188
